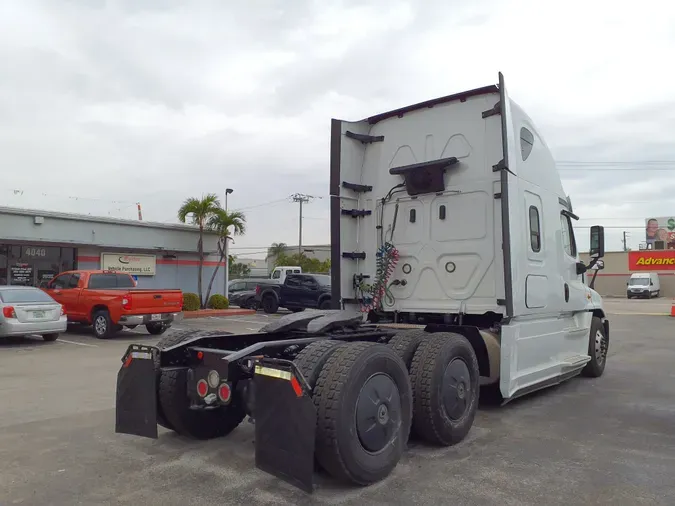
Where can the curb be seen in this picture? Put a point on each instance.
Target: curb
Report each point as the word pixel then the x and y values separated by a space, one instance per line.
pixel 206 313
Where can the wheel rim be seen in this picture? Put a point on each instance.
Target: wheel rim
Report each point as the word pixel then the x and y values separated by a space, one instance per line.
pixel 378 412
pixel 600 348
pixel 456 389
pixel 100 325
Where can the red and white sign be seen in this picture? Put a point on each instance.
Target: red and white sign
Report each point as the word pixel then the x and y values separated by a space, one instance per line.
pixel 653 260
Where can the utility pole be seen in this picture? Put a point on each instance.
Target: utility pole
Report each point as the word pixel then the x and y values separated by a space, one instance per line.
pixel 226 290
pixel 301 198
pixel 625 241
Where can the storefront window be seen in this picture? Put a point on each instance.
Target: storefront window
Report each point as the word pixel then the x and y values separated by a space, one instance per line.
pixel 29 265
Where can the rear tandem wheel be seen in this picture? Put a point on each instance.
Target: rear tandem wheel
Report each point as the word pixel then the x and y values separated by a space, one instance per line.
pixel 363 400
pixel 173 410
pixel 445 381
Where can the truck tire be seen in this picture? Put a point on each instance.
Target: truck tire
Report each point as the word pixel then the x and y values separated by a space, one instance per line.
pixel 598 345
pixel 166 342
pixel 361 382
pixel 101 324
pixel 194 423
pixel 156 328
pixel 405 344
pixel 311 360
pixel 270 304
pixel 445 380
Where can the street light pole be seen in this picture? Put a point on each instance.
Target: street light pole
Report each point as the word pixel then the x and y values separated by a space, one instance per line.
pixel 226 290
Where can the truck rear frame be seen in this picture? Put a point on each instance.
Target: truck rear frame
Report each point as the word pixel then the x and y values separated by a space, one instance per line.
pixel 271 380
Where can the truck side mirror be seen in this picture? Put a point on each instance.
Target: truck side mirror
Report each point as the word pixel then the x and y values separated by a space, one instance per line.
pixel 597 249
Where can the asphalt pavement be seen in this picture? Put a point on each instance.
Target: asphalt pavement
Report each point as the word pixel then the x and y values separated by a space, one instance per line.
pixel 604 441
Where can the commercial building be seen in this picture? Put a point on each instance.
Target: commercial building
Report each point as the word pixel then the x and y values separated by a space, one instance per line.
pixel 37 245
pixel 619 266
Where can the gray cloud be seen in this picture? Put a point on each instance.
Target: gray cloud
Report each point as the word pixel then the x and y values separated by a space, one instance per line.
pixel 119 101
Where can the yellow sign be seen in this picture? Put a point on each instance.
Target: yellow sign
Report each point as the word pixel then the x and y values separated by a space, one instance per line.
pixel 274 373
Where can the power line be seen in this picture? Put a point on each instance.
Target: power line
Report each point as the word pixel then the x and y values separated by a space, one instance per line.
pixel 264 204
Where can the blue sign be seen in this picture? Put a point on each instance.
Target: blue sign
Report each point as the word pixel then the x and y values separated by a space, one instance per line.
pixel 135 277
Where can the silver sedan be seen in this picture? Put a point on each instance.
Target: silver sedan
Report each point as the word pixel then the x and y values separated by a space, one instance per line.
pixel 25 310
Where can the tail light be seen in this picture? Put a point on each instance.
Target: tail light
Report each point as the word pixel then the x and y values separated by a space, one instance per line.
pixel 202 388
pixel 8 312
pixel 63 310
pixel 225 392
pixel 126 302
pixel 257 289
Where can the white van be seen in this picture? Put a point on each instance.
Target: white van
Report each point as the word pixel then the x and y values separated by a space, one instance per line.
pixel 643 284
pixel 279 274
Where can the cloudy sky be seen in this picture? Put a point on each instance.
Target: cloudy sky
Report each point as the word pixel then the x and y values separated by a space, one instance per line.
pixel 106 103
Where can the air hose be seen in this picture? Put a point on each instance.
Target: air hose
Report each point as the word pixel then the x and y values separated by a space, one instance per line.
pixel 385 260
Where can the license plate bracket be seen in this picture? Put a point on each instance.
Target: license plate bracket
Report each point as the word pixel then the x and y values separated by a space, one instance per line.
pixel 155 317
pixel 38 314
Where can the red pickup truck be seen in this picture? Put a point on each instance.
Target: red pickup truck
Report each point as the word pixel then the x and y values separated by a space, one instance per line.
pixel 109 301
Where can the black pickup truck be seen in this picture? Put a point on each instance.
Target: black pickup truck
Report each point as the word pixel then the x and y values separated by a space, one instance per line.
pixel 298 292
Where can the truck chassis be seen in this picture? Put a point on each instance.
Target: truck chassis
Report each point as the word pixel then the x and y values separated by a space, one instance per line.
pixel 321 388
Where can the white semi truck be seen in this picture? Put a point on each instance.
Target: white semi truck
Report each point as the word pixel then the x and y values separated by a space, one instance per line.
pixel 454 265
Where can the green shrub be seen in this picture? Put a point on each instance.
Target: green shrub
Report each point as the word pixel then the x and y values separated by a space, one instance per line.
pixel 190 302
pixel 217 301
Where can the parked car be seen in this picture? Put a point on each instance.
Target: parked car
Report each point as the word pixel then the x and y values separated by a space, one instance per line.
pixel 643 284
pixel 241 292
pixel 27 310
pixel 110 301
pixel 297 292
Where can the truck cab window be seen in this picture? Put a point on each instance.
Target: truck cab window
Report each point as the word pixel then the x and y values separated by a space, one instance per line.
pixel 569 244
pixel 61 282
pixel 276 274
pixel 102 281
pixel 535 230
pixel 73 281
pixel 292 281
pixel 124 281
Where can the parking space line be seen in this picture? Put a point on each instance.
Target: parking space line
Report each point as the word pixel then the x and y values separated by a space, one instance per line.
pixel 244 321
pixel 78 344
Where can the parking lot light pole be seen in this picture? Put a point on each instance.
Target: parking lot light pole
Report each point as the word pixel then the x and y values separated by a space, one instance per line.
pixel 227 261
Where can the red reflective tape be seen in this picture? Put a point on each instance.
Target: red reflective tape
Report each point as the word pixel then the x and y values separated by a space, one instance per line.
pixel 296 386
pixel 127 362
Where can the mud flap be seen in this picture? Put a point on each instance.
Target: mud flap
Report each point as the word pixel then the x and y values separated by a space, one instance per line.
pixel 136 404
pixel 285 424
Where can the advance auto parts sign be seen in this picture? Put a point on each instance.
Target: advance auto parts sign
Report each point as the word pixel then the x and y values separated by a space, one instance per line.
pixel 140 265
pixel 653 260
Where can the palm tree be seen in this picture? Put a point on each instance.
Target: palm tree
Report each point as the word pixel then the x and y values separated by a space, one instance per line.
pixel 200 211
pixel 276 249
pixel 221 221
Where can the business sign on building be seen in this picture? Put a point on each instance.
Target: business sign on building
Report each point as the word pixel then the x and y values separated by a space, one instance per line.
pixel 651 260
pixel 660 229
pixel 140 265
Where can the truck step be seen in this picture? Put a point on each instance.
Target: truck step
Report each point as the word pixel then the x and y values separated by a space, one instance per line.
pixel 361 188
pixel 356 213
